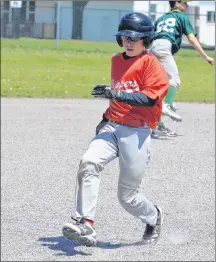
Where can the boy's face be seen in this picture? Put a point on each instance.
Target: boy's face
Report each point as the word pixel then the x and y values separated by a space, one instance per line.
pixel 183 6
pixel 132 46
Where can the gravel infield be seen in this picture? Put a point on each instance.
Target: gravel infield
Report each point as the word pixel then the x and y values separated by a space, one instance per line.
pixel 42 141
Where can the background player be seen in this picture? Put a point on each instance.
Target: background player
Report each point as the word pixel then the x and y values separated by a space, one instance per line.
pixel 169 29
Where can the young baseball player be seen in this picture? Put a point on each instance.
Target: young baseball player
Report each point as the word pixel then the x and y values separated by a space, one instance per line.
pixel 169 29
pixel 138 85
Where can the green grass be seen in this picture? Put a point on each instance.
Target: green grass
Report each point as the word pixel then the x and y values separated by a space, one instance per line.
pixel 36 68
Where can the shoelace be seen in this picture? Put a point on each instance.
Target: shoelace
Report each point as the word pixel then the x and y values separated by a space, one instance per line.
pixel 78 221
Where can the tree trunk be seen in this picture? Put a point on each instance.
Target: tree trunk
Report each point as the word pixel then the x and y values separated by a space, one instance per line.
pixel 77 12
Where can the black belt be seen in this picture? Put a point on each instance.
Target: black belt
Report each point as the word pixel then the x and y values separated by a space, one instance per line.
pixel 132 122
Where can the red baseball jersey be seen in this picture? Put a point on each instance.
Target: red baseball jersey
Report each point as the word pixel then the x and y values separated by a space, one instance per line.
pixel 142 73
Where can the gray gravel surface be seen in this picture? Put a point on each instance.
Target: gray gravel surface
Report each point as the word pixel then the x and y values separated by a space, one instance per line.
pixel 42 141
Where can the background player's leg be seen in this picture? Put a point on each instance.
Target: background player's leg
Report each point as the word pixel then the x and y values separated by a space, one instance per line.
pixel 162 50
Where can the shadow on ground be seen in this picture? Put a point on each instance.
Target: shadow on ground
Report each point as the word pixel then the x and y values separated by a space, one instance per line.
pixel 69 248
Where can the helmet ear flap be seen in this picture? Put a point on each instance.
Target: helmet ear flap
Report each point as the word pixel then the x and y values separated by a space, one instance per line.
pixel 147 41
pixel 119 40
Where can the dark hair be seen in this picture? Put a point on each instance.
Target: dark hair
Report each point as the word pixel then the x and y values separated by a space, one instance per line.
pixel 172 3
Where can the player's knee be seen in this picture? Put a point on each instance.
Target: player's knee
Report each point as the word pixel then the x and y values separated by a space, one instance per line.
pixel 89 166
pixel 178 82
pixel 175 81
pixel 126 196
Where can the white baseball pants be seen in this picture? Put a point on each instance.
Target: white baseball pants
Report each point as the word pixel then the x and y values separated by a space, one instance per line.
pixel 161 48
pixel 132 146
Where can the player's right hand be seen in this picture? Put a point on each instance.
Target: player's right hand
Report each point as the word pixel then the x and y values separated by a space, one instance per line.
pixel 99 90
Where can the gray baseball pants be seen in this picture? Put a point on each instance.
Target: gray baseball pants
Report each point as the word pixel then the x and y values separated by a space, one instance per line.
pixel 132 146
pixel 161 48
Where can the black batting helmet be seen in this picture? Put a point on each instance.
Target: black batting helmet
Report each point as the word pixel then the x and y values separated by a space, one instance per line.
pixel 136 25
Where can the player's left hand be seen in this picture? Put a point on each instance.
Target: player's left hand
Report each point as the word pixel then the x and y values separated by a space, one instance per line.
pixel 210 60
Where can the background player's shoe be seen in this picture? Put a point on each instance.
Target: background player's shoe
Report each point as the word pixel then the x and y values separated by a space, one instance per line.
pixel 168 111
pixel 81 232
pixel 173 107
pixel 152 233
pixel 166 131
pixel 162 131
pixel 154 133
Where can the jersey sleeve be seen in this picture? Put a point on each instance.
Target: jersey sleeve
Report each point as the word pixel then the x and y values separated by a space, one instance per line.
pixel 155 80
pixel 187 27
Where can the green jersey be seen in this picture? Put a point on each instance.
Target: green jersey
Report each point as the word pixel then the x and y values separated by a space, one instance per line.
pixel 172 26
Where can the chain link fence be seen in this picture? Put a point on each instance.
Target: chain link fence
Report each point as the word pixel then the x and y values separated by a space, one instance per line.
pixel 75 20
